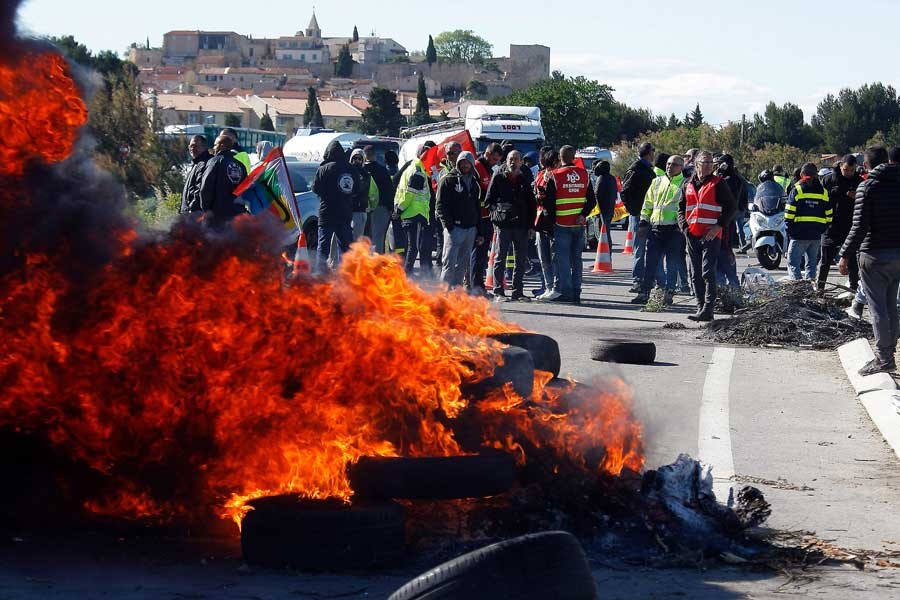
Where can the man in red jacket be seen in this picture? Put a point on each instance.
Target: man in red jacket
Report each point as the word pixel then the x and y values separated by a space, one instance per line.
pixel 478 262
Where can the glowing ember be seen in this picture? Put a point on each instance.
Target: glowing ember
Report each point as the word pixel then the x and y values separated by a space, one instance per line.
pixel 40 111
pixel 188 374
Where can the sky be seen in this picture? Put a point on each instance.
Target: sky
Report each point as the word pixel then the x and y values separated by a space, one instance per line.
pixel 731 57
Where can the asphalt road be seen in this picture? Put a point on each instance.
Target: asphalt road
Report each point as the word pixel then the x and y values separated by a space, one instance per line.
pixel 786 421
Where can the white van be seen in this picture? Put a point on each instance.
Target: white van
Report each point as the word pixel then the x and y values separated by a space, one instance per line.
pixel 518 125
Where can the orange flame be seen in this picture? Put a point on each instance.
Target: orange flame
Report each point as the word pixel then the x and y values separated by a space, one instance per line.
pixel 189 374
pixel 40 111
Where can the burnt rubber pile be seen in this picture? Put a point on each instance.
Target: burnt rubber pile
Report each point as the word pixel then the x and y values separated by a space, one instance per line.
pixel 790 314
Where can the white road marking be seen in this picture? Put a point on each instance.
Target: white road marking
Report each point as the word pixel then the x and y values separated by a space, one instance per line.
pixel 714 445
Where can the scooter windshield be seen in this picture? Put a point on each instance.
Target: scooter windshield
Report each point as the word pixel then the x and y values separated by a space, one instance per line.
pixel 769 198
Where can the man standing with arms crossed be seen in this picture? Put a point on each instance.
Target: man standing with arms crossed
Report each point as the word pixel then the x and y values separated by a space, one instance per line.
pixel 706 206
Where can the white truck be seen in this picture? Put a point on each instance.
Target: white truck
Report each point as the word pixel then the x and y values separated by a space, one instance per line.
pixel 518 125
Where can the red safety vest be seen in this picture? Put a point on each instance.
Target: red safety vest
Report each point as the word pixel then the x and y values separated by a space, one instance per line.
pixel 571 194
pixel 484 180
pixel 702 210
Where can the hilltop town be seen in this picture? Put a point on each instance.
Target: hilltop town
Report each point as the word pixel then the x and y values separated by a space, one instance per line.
pixel 227 78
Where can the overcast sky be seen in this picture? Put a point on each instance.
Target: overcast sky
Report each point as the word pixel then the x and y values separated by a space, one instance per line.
pixel 731 57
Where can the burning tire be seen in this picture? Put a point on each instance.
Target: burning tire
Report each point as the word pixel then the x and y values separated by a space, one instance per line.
pixel 531 567
pixel 289 532
pixel 517 369
pixel 544 349
pixel 432 478
pixel 623 351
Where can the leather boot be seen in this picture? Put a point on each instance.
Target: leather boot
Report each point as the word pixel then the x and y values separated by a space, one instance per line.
pixel 706 314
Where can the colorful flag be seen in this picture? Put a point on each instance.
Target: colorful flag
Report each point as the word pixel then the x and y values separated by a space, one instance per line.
pixel 268 187
pixel 433 158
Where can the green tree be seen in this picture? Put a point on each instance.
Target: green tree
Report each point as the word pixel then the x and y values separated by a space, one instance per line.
pixel 462 46
pixel 312 116
pixel 421 116
pixel 849 119
pixel 265 123
pixel 574 110
pixel 673 122
pixel 382 117
pixel 430 52
pixel 344 65
pixel 232 120
pixel 695 119
pixel 355 34
pixel 476 89
pixel 634 121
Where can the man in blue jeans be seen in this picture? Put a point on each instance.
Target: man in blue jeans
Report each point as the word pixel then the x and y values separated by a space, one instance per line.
pixel 659 221
pixel 875 234
pixel 336 186
pixel 570 196
pixel 808 214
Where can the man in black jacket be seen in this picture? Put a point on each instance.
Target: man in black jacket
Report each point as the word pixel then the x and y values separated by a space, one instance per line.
pixel 841 186
pixel 190 196
pixel 635 184
pixel 875 234
pixel 380 217
pixel 336 187
pixel 458 208
pixel 511 203
pixel 223 173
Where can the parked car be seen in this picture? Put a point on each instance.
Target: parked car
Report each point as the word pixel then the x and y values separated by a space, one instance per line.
pixel 302 175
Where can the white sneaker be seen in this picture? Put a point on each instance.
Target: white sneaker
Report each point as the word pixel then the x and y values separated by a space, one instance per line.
pixel 499 299
pixel 550 296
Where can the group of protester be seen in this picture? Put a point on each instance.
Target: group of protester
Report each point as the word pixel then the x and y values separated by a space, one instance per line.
pixel 210 183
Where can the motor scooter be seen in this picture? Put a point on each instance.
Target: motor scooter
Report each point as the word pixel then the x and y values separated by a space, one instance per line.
pixel 767 224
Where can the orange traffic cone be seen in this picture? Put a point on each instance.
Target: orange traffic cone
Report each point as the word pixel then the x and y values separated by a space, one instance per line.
pixel 492 257
pixel 300 265
pixel 603 262
pixel 629 243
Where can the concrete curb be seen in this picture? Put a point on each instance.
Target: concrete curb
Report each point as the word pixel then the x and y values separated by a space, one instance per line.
pixel 854 355
pixel 880 406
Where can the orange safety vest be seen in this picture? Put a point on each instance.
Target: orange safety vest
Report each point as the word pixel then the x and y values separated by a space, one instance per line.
pixel 571 194
pixel 702 210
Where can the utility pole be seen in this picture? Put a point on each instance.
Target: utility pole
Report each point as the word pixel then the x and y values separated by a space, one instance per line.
pixel 743 123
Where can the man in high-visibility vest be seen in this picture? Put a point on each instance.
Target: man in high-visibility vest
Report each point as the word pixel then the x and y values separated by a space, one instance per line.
pixel 659 223
pixel 781 179
pixel 570 196
pixel 705 207
pixel 413 200
pixel 808 214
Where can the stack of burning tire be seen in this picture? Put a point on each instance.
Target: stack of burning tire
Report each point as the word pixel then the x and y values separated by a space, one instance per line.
pixel 287 531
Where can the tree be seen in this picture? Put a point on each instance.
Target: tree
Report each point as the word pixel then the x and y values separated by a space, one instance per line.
pixel 430 52
pixel 852 117
pixel 783 125
pixel 382 117
pixel 421 116
pixel 312 116
pixel 462 46
pixel 673 122
pixel 232 120
pixel 696 118
pixel 476 89
pixel 355 34
pixel 265 123
pixel 574 110
pixel 344 65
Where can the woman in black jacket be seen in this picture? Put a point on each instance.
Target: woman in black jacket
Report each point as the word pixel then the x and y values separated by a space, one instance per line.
pixel 606 191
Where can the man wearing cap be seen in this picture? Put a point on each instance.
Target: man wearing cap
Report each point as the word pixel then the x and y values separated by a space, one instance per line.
pixel 458 209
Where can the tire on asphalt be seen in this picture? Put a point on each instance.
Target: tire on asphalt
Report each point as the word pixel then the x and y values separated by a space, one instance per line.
pixel 767 262
pixel 432 478
pixel 532 567
pixel 289 532
pixel 623 351
pixel 517 369
pixel 544 349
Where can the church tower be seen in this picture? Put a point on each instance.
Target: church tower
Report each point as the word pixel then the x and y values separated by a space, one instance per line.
pixel 312 29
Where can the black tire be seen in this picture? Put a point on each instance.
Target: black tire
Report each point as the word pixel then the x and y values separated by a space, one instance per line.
pixel 623 351
pixel 544 349
pixel 517 369
pixel 768 260
pixel 539 566
pixel 287 532
pixel 432 478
